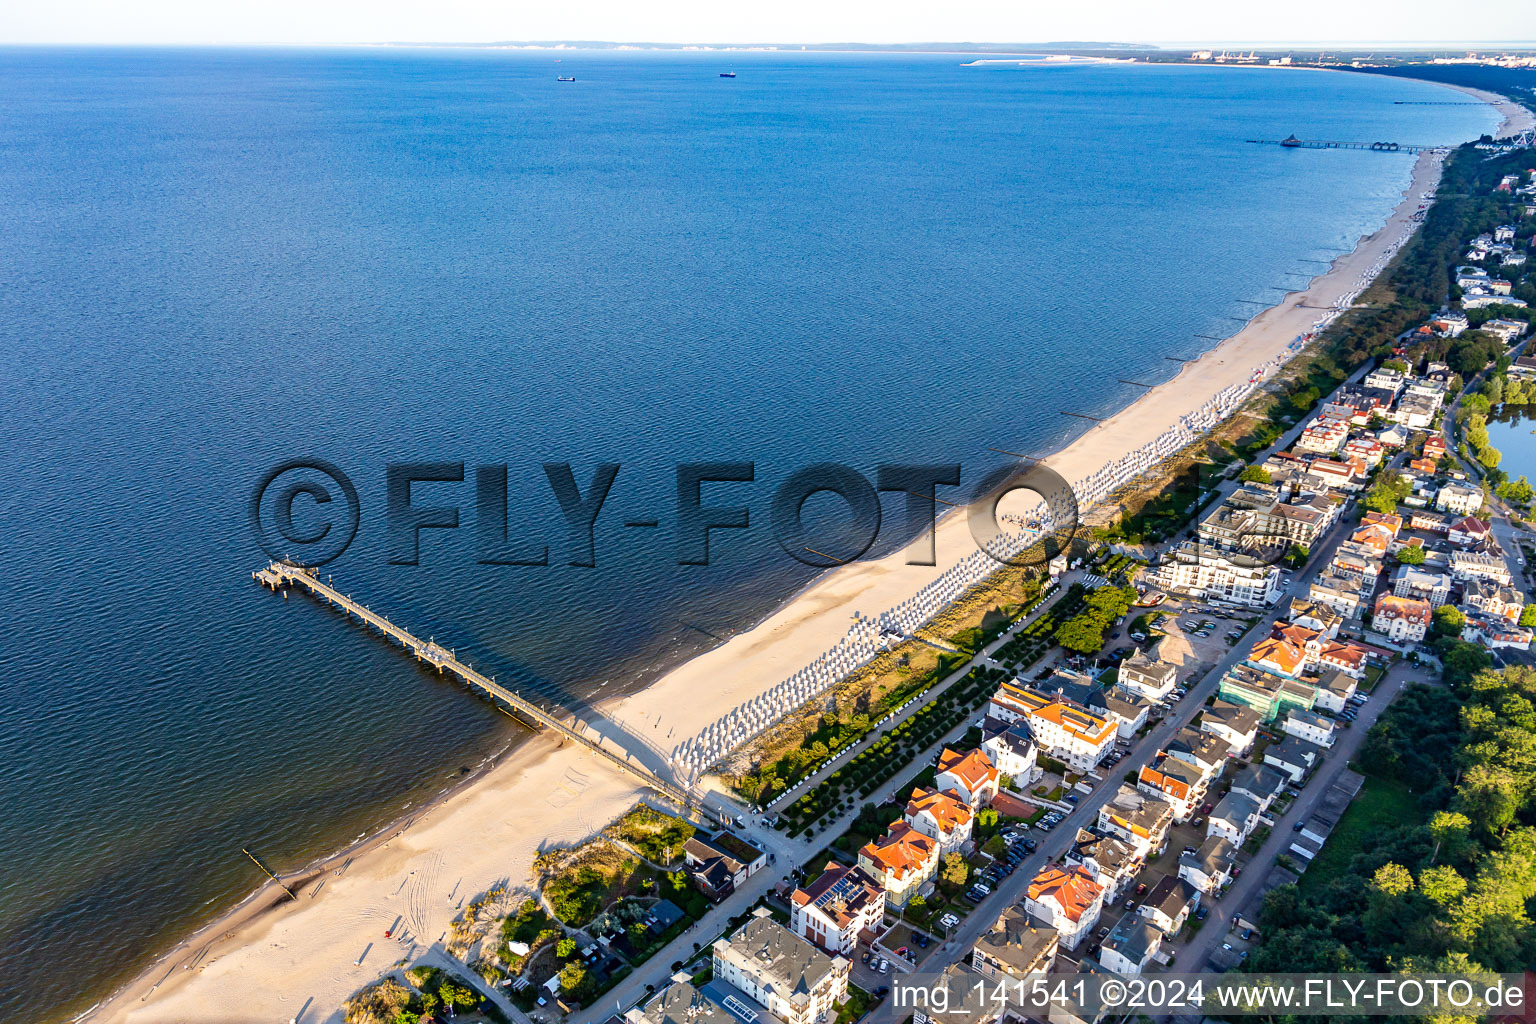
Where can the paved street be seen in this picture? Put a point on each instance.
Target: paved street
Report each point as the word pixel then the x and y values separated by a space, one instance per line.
pixel 1237 898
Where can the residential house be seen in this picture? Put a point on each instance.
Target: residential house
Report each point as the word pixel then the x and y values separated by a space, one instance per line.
pixel 1015 948
pixel 1112 862
pixel 1310 726
pixel 720 863
pixel 1495 600
pixel 1260 783
pixel 902 861
pixel 1199 748
pixel 1314 615
pixel 1063 729
pixel 1469 531
pixel 1334 688
pixel 1422 584
pixel 1402 619
pixel 1479 565
pixel 1211 574
pixel 1012 749
pixel 1268 694
pixel 1209 868
pixel 1459 498
pixel 1234 818
pixel 1130 946
pixel 678 1003
pixel 1147 675
pixel 1182 784
pixel 1345 594
pixel 834 909
pixel 1234 724
pixel 1169 904
pixel 1137 818
pixel 1293 756
pixel 1067 899
pixel 798 983
pixel 941 815
pixel 971 775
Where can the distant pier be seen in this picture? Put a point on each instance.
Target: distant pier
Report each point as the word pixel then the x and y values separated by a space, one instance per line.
pixel 280 574
pixel 1376 147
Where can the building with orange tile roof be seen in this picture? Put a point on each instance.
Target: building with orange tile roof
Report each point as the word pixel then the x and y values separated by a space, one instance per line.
pixel 970 774
pixel 1274 654
pixel 1063 728
pixel 1068 900
pixel 1390 520
pixel 941 815
pixel 901 861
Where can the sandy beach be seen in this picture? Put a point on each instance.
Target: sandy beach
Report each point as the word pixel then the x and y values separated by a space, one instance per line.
pixel 271 960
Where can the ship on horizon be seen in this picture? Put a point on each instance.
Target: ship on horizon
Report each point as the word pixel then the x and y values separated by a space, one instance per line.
pixel 727 74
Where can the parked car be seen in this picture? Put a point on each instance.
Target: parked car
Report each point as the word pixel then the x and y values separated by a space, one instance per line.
pixel 1130 904
pixel 1141 888
pixel 1200 914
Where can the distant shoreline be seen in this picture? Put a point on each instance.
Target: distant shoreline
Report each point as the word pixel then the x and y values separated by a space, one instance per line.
pixel 488 826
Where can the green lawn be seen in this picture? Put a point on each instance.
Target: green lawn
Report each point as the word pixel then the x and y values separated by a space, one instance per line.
pixel 1380 803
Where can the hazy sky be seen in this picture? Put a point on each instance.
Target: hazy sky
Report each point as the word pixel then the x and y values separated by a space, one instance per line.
pixel 790 21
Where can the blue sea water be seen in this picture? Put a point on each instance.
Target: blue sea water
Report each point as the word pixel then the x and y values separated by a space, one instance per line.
pixel 217 260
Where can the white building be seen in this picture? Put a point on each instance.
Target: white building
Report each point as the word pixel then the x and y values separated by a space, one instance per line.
pixel 1198 570
pixel 941 815
pixel 798 983
pixel 1064 729
pixel 1479 565
pixel 1310 726
pixel 834 909
pixel 1131 946
pixel 1012 749
pixel 1068 900
pixel 1402 619
pixel 1459 498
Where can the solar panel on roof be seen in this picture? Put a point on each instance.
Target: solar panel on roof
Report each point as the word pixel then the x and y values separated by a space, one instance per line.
pixel 740 1009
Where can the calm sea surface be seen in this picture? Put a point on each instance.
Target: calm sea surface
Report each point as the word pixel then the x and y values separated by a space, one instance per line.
pixel 213 261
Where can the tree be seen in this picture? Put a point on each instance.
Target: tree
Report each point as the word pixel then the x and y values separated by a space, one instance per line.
pixel 572 976
pixel 1411 555
pixel 1528 616
pixel 455 995
pixel 1448 621
pixel 1443 884
pixel 1081 633
pixel 565 948
pixel 1516 491
pixel 956 870
pixel 1385 493
pixel 1255 475
pixel 1450 830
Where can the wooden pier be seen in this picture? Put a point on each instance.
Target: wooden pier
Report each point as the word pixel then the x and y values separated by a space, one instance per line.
pixel 280 574
pixel 1376 147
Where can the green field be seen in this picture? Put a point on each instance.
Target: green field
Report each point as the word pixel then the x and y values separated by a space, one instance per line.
pixel 1380 803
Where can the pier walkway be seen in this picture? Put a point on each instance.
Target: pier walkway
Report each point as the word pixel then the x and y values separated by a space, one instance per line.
pixel 1376 147
pixel 280 574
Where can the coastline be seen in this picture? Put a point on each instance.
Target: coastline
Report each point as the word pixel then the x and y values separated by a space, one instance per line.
pixel 487 828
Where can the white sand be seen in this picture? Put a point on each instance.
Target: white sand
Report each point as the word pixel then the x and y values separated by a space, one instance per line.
pixel 267 964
